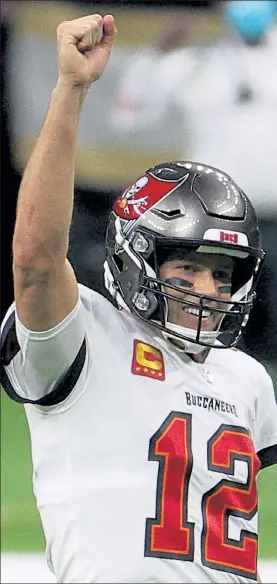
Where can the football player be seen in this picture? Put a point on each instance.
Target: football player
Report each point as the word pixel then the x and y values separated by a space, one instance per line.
pixel 147 428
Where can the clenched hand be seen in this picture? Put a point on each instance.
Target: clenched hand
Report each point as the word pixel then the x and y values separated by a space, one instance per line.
pixel 84 47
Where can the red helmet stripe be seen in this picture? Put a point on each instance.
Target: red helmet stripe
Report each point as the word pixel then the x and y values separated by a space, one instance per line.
pixel 141 196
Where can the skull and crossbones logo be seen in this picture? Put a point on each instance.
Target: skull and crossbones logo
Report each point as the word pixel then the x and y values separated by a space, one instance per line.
pixel 126 199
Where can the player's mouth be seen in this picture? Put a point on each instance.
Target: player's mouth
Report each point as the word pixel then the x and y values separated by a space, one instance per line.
pixel 191 315
pixel 196 312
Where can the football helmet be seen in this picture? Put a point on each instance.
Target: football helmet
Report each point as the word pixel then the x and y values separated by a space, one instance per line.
pixel 182 205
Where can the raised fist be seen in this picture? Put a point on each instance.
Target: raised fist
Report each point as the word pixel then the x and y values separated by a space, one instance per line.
pixel 84 48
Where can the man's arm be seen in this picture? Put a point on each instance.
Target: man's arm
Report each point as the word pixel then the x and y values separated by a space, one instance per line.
pixel 45 286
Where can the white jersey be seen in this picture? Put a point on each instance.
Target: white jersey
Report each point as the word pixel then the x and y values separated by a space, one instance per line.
pixel 145 471
pixel 227 98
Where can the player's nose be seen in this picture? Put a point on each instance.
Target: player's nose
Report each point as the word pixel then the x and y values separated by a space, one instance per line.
pixel 204 283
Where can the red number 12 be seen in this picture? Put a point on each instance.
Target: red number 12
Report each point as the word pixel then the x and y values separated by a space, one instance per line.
pixel 170 535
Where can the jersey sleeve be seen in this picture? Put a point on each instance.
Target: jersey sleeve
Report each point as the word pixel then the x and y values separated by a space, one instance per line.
pixel 266 422
pixel 42 367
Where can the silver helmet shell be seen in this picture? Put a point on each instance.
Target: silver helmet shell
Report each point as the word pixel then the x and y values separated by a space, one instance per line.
pixel 182 205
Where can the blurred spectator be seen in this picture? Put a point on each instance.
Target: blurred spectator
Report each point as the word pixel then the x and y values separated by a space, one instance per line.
pixel 226 93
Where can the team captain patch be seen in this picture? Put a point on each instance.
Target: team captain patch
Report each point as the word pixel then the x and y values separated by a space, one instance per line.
pixel 148 361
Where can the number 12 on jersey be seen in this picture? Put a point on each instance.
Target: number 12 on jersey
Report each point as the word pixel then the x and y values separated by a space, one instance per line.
pixel 170 535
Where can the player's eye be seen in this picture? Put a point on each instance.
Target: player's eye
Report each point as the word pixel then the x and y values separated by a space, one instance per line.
pixel 189 268
pixel 223 276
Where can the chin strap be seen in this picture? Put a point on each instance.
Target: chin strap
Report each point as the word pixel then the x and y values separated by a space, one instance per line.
pixel 184 346
pixel 189 345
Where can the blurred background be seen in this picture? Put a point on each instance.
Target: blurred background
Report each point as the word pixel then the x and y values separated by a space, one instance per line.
pixel 195 80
